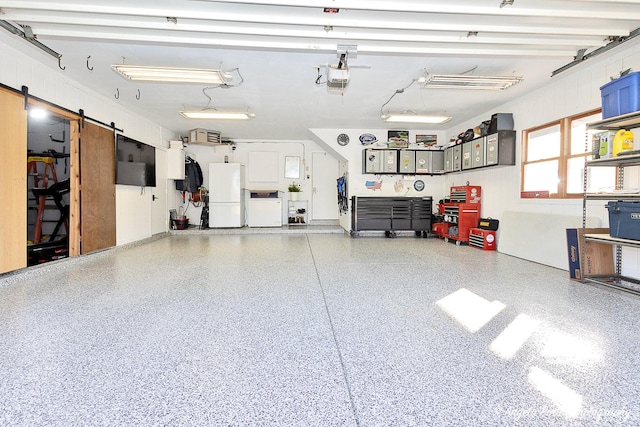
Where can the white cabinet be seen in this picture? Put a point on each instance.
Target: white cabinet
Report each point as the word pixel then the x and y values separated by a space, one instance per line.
pixel 264 212
pixel 175 163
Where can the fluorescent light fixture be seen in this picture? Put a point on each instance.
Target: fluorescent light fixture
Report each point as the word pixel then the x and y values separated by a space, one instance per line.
pixel 470 81
pixel 216 115
pixel 173 75
pixel 414 118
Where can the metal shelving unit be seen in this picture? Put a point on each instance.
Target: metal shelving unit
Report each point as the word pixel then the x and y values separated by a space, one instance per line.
pixel 617 281
pixel 298 212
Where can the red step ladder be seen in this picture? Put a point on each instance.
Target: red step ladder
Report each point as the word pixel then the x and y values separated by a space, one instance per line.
pixel 41 181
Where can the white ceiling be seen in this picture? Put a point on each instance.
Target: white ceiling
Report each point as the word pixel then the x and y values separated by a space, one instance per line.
pixel 275 44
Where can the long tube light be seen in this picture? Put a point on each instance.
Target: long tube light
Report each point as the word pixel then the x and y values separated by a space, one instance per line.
pixel 414 118
pixel 173 75
pixel 468 81
pixel 216 115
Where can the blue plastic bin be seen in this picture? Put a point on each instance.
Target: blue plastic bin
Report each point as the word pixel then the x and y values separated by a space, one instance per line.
pixel 624 220
pixel 621 96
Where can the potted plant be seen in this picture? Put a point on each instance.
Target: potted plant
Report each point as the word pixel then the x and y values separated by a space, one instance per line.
pixel 293 192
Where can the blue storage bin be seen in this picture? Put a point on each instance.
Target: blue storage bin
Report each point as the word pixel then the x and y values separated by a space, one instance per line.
pixel 624 220
pixel 621 96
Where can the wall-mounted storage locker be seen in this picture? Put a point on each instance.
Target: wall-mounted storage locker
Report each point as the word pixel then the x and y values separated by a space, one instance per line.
pixel 448 159
pixel 382 161
pixel 389 161
pixel 466 155
pixel 457 158
pixel 407 161
pixel 501 148
pixel 495 149
pixel 429 161
pixel 371 161
pixel 478 152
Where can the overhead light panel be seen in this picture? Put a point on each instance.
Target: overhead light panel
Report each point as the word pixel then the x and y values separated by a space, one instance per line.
pixel 216 115
pixel 414 118
pixel 173 75
pixel 470 81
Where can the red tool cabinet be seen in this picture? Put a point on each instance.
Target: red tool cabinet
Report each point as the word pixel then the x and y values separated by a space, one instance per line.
pixel 461 214
pixel 465 193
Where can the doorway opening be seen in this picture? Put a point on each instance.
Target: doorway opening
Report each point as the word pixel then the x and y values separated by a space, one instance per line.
pixel 48 186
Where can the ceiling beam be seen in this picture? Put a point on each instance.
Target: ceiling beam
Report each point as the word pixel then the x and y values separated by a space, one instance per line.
pixel 460 25
pixel 554 9
pixel 310 44
pixel 47 22
pixel 558 9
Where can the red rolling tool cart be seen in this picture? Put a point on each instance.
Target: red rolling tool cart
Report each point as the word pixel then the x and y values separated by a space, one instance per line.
pixel 461 214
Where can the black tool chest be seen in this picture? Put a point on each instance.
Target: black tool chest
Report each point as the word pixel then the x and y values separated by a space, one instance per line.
pixel 391 214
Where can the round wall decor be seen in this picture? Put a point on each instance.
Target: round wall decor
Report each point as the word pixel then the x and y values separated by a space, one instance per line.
pixel 343 139
pixel 368 139
pixel 418 185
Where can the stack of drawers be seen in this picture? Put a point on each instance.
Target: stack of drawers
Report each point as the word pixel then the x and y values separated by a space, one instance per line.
pixel 482 239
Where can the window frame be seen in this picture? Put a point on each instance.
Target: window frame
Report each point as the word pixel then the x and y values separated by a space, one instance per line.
pixel 564 157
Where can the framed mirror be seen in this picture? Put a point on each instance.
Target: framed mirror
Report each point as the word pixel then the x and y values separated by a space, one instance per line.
pixel 292 167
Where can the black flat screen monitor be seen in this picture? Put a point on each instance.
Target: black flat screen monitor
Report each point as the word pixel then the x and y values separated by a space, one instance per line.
pixel 135 162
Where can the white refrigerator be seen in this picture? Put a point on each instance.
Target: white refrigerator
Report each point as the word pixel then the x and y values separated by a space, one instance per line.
pixel 226 201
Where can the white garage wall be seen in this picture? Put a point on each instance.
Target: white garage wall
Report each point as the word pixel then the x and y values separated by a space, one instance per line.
pixel 251 154
pixel 46 81
pixel 571 92
pixel 574 91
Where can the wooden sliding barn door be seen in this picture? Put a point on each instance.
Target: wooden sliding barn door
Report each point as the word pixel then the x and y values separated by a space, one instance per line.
pixel 97 188
pixel 13 182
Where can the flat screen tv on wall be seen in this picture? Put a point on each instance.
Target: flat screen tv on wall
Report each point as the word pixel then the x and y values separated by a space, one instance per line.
pixel 135 162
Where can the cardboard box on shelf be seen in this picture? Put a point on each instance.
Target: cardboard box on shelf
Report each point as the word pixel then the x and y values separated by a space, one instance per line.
pixel 598 256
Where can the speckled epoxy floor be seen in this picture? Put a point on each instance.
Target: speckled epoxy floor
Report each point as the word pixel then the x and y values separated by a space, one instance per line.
pixel 313 329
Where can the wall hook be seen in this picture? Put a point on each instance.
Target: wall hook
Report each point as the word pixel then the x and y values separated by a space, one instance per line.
pixel 117 95
pixel 89 68
pixel 138 95
pixel 60 63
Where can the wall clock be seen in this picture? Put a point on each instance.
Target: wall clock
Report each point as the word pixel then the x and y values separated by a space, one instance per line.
pixel 343 139
pixel 418 185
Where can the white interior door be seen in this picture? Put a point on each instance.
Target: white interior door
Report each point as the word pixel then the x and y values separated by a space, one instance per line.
pixel 324 173
pixel 159 209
